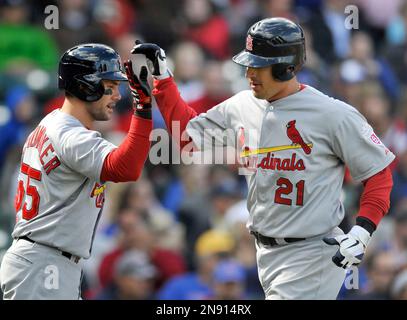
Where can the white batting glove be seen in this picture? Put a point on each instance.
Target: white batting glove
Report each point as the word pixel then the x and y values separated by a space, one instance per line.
pixel 156 59
pixel 352 247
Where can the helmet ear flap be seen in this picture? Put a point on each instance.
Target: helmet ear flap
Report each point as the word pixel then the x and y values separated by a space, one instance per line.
pixel 86 90
pixel 283 71
pixel 94 92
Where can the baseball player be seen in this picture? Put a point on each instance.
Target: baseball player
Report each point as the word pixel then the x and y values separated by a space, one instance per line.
pixel 301 140
pixel 63 173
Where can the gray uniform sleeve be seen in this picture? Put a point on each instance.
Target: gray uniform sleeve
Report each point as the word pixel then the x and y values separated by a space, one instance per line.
pixel 356 144
pixel 85 151
pixel 210 130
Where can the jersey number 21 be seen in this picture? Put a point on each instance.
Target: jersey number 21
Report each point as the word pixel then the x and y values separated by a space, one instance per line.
pixel 285 187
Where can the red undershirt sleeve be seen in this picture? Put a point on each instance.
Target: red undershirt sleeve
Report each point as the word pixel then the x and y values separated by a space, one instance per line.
pixel 126 162
pixel 375 199
pixel 175 111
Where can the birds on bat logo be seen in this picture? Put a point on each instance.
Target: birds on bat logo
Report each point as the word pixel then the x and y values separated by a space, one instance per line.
pixel 296 138
pixel 98 192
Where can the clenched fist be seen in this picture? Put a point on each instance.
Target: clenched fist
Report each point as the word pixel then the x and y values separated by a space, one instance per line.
pixel 156 59
pixel 140 90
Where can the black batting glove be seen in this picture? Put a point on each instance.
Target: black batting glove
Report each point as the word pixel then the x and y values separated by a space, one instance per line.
pixel 155 57
pixel 140 90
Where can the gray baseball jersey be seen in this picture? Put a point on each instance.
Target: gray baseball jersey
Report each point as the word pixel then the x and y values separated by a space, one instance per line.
pixel 60 196
pixel 299 145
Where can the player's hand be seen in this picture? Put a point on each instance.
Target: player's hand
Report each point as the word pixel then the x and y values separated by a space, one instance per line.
pixel 352 247
pixel 156 59
pixel 140 90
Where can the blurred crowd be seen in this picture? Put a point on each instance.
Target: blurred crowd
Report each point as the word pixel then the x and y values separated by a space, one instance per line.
pixel 179 232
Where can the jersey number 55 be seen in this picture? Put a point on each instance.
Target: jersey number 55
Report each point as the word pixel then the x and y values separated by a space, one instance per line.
pixel 28 190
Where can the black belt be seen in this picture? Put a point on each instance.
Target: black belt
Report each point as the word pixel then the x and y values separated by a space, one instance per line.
pixel 64 253
pixel 269 241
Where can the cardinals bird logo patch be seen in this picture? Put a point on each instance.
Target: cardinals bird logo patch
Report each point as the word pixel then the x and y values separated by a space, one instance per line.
pixel 249 43
pixel 296 138
pixel 98 192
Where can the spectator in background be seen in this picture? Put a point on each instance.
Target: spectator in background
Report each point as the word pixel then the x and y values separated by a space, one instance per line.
pixel 376 109
pixel 333 15
pixel 133 278
pixel 245 252
pixel 77 25
pixel 396 31
pixel 375 16
pixel 136 233
pixel 116 17
pixel 399 286
pixel 14 119
pixel 188 196
pixel 314 72
pixel 23 46
pixel 279 8
pixel 237 214
pixel 240 15
pixel 399 191
pixel 228 281
pixel 396 50
pixel 399 249
pixel 210 248
pixel 223 196
pixel 203 26
pixel 392 235
pixel 128 233
pixel 381 269
pixel 362 65
pixel 320 18
pixel 215 88
pixel 156 21
pixel 188 65
pixel 140 196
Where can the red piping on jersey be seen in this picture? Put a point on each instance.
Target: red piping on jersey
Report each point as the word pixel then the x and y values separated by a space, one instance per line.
pixel 175 111
pixel 126 162
pixel 375 199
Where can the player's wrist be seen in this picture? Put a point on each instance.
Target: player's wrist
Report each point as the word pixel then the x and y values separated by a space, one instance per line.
pixel 366 223
pixel 143 111
pixel 167 74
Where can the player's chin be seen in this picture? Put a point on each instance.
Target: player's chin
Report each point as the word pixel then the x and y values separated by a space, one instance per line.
pixel 258 95
pixel 108 112
pixel 105 116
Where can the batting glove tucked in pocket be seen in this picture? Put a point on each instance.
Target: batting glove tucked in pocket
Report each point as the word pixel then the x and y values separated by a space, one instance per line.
pixel 352 247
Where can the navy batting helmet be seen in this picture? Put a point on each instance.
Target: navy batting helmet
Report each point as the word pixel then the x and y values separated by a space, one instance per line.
pixel 274 41
pixel 82 69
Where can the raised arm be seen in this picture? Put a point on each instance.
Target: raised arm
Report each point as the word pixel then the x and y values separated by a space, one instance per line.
pixel 173 108
pixel 126 162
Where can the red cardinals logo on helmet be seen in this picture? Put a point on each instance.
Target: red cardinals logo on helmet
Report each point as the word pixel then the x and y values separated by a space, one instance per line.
pixel 296 138
pixel 249 43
